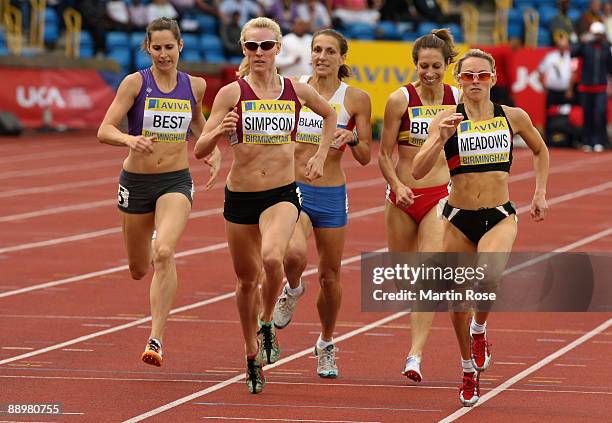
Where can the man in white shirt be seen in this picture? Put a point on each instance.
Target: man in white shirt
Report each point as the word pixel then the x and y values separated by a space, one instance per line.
pixel 556 72
pixel 294 57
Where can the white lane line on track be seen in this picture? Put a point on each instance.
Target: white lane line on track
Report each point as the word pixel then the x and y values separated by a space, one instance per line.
pixel 535 367
pixel 58 169
pixel 147 319
pixel 360 213
pixel 240 376
pixel 256 419
pixel 302 353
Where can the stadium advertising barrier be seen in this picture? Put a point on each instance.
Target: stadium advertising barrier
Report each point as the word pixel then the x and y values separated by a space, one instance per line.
pixel 74 98
pixel 380 67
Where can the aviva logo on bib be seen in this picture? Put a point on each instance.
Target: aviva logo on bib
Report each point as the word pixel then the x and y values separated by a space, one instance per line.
pixel 168 105
pixel 268 106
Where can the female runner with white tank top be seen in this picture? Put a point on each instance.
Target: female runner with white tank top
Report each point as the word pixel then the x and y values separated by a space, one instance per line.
pixel 325 201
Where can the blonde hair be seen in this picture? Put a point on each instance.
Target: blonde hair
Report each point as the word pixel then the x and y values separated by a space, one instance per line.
pixel 474 52
pixel 440 39
pixel 261 22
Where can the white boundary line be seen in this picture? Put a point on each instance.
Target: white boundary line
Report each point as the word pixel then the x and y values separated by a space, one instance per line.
pixel 148 318
pixel 348 335
pixel 280 362
pixel 519 376
pixel 361 213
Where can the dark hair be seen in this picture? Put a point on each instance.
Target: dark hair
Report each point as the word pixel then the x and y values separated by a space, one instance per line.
pixel 345 70
pixel 440 39
pixel 160 24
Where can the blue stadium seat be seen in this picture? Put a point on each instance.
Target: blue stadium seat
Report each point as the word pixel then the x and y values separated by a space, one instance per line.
pixel 122 55
pixel 547 13
pixel 236 60
pixel 361 31
pixel 515 31
pixel 190 41
pixel 388 30
pixel 86 45
pixel 52 30
pixel 136 39
pixel 191 56
pixel 141 60
pixel 211 44
pixel 544 39
pixel 208 24
pixel 515 16
pixel 426 28
pixel 117 39
pixel 457 32
pixel 409 36
pixel 574 14
pixel 3 50
pixel 214 57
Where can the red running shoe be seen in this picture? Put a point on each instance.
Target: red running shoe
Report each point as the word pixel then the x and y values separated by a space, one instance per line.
pixel 481 353
pixel 469 391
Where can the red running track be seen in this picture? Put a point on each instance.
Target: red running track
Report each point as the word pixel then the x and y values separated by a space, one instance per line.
pixel 74 323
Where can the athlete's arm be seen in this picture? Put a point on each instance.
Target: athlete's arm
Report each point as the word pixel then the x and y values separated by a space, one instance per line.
pixel 316 103
pixel 359 107
pixel 221 122
pixel 443 126
pixel 109 132
pixel 394 109
pixel 198 121
pixel 521 124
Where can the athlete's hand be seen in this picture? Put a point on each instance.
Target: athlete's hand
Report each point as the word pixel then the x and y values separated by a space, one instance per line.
pixel 539 207
pixel 448 126
pixel 229 122
pixel 341 137
pixel 314 168
pixel 142 144
pixel 214 161
pixel 403 196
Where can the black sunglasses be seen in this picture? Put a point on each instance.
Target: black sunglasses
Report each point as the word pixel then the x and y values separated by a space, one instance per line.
pixel 254 45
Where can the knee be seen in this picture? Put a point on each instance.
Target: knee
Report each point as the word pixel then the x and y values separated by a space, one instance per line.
pixel 272 260
pixel 330 279
pixel 246 286
pixel 162 256
pixel 295 259
pixel 138 272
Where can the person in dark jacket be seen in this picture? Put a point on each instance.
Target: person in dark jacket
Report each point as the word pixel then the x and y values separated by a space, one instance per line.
pixel 596 67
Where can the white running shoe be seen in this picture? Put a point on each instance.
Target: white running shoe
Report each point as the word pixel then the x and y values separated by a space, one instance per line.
pixel 285 305
pixel 326 362
pixel 412 369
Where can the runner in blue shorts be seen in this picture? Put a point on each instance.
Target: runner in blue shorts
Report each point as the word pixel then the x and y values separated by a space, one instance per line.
pixel 324 202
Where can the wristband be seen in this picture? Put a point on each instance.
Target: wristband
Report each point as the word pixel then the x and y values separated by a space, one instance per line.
pixel 355 140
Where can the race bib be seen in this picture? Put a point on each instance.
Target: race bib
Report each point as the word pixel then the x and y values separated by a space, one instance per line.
pixel 310 125
pixel 420 119
pixel 167 118
pixel 267 121
pixel 484 142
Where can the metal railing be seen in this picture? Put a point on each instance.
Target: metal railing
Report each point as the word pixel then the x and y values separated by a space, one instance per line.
pixel 73 21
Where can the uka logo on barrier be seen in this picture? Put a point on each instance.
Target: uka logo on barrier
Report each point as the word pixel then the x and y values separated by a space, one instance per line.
pixel 39 97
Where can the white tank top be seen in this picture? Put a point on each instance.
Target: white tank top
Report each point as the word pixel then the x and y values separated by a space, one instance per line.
pixel 310 124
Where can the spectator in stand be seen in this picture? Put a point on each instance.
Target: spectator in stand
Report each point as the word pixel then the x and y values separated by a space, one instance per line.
pixel 283 12
pixel 501 91
pixel 160 9
pixel 562 23
pixel 607 11
pixel 188 10
pixel 139 18
pixel 294 57
pixel 556 72
pixel 431 11
pixel 592 14
pixel 95 21
pixel 355 11
pixel 248 9
pixel 315 13
pixel 594 51
pixel 118 16
pixel 230 35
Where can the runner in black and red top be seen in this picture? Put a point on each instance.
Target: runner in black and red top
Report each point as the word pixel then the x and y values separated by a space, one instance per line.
pixel 476 137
